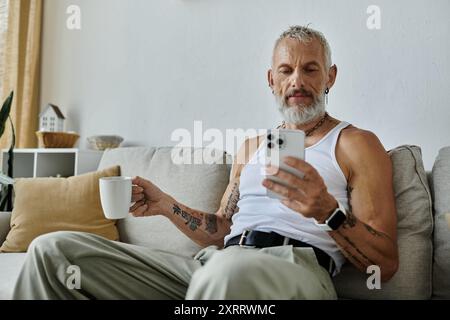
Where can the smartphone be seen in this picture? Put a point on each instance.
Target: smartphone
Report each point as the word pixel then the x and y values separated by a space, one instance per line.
pixel 282 143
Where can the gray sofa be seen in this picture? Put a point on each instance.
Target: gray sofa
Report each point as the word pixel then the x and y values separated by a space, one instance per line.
pixel 423 231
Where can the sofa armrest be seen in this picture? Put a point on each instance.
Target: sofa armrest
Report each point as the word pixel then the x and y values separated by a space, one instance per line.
pixel 5 219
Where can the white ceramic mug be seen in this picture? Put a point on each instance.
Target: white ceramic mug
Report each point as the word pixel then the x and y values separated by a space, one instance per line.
pixel 115 196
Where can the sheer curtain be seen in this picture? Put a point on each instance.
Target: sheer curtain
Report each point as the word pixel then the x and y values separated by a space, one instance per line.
pixel 20 37
pixel 4 4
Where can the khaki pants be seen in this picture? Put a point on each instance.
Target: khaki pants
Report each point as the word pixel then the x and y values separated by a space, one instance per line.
pixel 114 270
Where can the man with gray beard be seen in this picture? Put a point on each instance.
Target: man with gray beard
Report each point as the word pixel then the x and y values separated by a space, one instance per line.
pixel 255 247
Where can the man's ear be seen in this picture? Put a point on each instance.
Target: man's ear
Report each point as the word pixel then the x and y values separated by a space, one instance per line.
pixel 270 78
pixel 332 74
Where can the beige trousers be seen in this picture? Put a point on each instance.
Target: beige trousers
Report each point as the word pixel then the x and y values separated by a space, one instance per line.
pixel 73 265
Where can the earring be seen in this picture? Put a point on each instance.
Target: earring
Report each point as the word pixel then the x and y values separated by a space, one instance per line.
pixel 327 91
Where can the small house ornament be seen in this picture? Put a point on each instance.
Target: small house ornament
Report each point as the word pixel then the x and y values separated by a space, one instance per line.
pixel 51 119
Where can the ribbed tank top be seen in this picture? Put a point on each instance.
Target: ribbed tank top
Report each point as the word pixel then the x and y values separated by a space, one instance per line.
pixel 259 212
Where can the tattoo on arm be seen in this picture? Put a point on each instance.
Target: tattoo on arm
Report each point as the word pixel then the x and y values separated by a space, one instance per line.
pixel 351 257
pixel 211 223
pixel 350 222
pixel 192 221
pixel 349 248
pixel 352 244
pixel 375 232
pixel 231 208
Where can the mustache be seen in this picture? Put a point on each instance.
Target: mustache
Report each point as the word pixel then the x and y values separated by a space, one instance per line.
pixel 292 92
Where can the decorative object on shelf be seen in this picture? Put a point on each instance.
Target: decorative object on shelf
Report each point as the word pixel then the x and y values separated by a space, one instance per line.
pixel 6 180
pixel 57 139
pixel 104 142
pixel 51 119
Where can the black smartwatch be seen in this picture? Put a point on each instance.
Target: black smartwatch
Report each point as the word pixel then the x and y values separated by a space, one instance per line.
pixel 336 219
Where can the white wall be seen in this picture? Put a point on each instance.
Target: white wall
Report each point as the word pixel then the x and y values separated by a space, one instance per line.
pixel 143 68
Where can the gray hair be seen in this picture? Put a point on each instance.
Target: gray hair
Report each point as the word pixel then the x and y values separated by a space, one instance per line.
pixel 306 34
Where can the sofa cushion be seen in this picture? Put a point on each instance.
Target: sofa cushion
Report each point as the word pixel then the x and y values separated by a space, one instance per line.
pixel 415 225
pixel 5 219
pixel 45 205
pixel 10 266
pixel 441 188
pixel 198 186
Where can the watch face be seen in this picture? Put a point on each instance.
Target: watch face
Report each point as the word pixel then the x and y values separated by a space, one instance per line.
pixel 336 220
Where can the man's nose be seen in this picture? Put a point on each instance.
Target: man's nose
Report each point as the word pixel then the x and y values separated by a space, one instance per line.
pixel 297 79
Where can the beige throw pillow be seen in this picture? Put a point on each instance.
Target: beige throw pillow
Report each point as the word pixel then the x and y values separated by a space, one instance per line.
pixel 44 205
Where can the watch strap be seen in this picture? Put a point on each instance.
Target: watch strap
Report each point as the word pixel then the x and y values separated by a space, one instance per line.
pixel 326 226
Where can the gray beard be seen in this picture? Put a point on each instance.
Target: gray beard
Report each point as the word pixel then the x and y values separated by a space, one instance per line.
pixel 301 114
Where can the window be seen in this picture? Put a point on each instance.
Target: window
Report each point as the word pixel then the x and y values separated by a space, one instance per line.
pixel 4 4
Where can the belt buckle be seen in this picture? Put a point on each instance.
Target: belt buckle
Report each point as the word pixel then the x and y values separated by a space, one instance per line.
pixel 331 266
pixel 242 239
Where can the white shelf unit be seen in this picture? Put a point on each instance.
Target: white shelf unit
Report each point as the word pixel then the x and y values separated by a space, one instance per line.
pixel 35 163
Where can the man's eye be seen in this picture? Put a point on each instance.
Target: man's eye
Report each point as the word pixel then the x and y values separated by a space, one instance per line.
pixel 310 70
pixel 284 71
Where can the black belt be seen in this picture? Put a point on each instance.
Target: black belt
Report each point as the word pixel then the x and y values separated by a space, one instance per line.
pixel 259 239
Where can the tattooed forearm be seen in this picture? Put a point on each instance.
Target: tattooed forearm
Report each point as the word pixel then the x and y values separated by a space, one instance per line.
pixel 350 221
pixel 354 247
pixel 192 221
pixel 211 223
pixel 231 207
pixel 375 232
pixel 351 247
pixel 361 244
pixel 346 251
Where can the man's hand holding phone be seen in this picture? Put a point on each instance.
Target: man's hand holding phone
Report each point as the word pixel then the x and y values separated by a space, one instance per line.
pixel 291 179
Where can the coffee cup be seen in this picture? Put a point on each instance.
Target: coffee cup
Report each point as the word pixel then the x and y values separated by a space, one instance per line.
pixel 115 196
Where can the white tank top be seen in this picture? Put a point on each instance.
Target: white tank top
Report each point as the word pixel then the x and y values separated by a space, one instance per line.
pixel 259 212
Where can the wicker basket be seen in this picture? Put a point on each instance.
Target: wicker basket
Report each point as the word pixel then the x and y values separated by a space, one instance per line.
pixel 104 142
pixel 56 139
